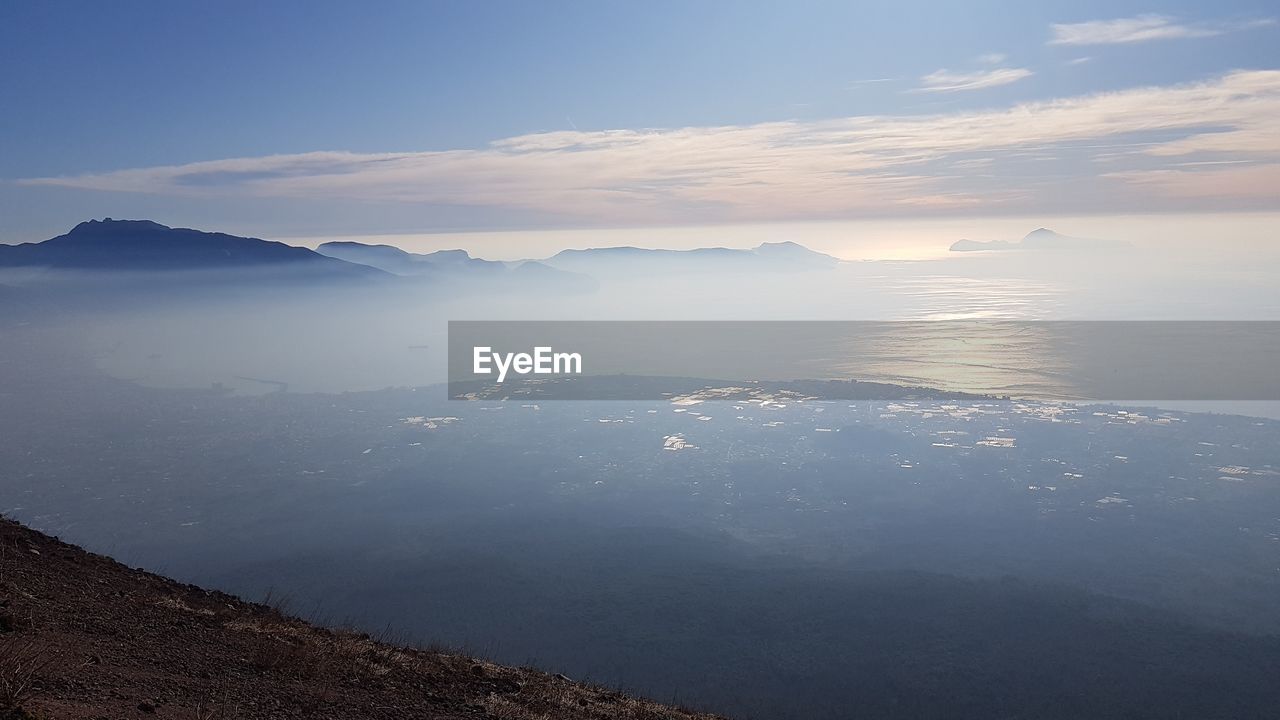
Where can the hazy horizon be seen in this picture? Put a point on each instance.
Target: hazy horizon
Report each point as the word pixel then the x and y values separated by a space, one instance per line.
pixel 852 240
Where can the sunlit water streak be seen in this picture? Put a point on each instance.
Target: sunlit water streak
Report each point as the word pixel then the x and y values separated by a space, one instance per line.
pixel 949 297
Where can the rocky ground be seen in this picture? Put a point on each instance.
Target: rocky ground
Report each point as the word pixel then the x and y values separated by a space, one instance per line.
pixel 82 636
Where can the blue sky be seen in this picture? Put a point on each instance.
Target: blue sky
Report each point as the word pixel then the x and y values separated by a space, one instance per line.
pixel 309 117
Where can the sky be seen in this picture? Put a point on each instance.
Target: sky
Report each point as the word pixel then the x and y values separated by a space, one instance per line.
pixel 314 119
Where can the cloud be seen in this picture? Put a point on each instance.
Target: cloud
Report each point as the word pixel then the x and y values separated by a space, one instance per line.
pixel 1227 183
pixel 1106 147
pixel 1141 28
pixel 855 84
pixel 991 58
pixel 944 81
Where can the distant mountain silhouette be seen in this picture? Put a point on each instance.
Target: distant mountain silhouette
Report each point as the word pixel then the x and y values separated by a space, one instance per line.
pixel 384 257
pixel 973 245
pixel 143 245
pixel 1039 239
pixel 779 256
pixel 131 246
pixel 400 262
pixel 457 269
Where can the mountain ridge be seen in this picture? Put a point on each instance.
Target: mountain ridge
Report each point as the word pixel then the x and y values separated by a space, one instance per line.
pixel 148 246
pixel 398 261
pixel 1039 239
pixel 785 256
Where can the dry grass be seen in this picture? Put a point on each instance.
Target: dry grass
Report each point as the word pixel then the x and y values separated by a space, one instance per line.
pixel 22 661
pixel 209 710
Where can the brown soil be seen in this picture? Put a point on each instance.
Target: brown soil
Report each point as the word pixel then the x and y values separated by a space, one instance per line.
pixel 82 636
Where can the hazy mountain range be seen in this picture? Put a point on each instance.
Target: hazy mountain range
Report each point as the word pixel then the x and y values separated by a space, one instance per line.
pixel 400 262
pixel 146 246
pixel 1039 239
pixel 767 257
pixel 454 266
pixel 142 245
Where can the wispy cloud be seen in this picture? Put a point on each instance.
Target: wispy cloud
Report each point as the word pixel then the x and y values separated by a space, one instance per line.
pixel 1142 28
pixel 946 81
pixel 870 81
pixel 1220 180
pixel 1137 141
pixel 994 58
